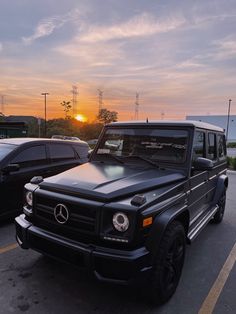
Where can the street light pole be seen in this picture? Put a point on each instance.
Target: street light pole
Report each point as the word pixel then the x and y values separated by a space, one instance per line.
pixel 227 130
pixel 45 113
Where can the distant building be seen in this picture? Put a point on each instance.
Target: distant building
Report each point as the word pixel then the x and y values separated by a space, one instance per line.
pixel 220 121
pixel 25 119
pixel 13 129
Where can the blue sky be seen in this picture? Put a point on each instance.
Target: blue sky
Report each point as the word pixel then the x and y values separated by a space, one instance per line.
pixel 179 55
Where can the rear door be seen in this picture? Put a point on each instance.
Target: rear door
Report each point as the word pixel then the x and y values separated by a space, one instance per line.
pixel 62 157
pixel 211 153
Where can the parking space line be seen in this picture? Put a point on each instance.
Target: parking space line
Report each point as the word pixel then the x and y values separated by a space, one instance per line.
pixel 212 297
pixel 8 248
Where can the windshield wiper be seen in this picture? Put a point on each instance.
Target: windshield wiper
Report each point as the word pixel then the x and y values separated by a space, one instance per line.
pixel 143 159
pixel 112 157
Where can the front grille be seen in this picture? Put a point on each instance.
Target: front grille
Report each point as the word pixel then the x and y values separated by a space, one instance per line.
pixel 82 224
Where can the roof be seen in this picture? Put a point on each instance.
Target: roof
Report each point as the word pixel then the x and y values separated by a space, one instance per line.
pixel 24 140
pixel 184 123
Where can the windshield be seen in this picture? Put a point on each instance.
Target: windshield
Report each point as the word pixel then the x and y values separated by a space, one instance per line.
pixel 168 145
pixel 5 149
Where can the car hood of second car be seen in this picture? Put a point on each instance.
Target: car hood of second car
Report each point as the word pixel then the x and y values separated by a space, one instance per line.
pixel 105 182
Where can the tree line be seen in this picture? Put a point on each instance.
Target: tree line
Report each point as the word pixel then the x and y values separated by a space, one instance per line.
pixel 69 126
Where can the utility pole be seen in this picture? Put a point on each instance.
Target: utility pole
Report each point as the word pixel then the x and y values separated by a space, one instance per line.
pixel 45 113
pixel 2 103
pixel 100 100
pixel 136 110
pixel 227 130
pixel 75 93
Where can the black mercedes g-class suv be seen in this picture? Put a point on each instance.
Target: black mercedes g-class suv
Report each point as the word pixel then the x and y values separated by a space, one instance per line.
pixel 148 189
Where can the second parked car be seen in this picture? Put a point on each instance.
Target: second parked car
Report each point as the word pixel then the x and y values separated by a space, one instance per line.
pixel 23 158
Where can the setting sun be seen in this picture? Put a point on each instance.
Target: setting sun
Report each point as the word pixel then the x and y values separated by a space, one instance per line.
pixel 81 118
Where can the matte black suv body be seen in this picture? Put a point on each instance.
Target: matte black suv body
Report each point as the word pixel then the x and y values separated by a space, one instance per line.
pixel 23 158
pixel 147 190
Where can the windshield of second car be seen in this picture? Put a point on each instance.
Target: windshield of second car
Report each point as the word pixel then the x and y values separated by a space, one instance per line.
pixel 168 145
pixel 5 149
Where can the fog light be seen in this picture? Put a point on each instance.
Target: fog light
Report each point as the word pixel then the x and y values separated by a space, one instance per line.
pixel 120 222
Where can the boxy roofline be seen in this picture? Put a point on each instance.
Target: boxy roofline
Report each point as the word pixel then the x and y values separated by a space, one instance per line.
pixel 185 123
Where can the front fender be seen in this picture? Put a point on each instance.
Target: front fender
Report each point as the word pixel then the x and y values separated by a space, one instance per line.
pixel 160 224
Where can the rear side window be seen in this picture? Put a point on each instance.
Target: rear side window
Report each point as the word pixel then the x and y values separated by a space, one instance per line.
pixel 61 152
pixel 221 146
pixel 31 156
pixel 199 145
pixel 82 151
pixel 211 151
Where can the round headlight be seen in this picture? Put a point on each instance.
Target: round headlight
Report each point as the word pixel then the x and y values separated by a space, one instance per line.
pixel 120 222
pixel 29 198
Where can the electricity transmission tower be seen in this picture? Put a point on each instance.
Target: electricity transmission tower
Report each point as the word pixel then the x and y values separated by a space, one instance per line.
pixel 75 93
pixel 136 110
pixel 100 100
pixel 2 103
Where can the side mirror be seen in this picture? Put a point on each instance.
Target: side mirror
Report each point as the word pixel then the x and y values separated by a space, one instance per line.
pixel 90 153
pixel 202 164
pixel 10 168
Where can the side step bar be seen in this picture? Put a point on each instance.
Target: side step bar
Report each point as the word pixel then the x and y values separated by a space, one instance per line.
pixel 202 223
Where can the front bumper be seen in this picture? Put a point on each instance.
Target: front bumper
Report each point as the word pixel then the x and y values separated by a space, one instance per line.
pixel 107 264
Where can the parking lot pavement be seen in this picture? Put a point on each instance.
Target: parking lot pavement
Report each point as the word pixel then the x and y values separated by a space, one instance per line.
pixel 31 283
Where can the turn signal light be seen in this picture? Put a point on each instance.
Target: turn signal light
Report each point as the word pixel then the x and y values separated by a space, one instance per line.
pixel 147 221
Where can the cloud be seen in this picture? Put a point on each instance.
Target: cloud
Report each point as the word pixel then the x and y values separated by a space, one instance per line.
pixel 1 47
pixel 47 26
pixel 95 55
pixel 140 25
pixel 226 48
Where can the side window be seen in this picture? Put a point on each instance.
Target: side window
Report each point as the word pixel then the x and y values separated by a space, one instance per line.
pixel 211 151
pixel 221 146
pixel 61 152
pixel 31 156
pixel 199 145
pixel 82 151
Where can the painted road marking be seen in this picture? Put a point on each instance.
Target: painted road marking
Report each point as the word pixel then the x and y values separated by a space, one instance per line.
pixel 212 297
pixel 8 248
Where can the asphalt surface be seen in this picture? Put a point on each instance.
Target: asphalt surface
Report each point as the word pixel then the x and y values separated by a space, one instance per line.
pixel 31 283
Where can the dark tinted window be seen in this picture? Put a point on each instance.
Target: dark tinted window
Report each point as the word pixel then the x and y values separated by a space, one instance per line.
pixel 31 156
pixel 82 151
pixel 199 145
pixel 61 151
pixel 221 146
pixel 5 149
pixel 211 152
pixel 168 145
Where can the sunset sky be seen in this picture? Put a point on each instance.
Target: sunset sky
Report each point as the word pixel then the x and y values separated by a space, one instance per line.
pixel 180 56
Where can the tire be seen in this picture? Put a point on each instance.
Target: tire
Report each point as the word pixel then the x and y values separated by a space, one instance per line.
pixel 220 212
pixel 168 264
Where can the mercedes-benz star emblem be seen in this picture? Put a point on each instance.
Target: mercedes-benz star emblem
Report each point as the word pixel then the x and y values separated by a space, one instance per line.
pixel 61 213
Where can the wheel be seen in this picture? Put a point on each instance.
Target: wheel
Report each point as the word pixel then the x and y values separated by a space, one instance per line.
pixel 220 212
pixel 168 264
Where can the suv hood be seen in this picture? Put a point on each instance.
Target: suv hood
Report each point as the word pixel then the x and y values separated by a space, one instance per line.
pixel 105 182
